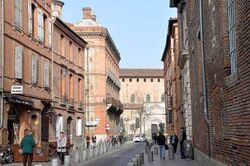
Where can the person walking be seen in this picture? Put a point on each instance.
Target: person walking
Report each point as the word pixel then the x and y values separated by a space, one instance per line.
pixel 183 138
pixel 155 138
pixel 161 140
pixel 174 142
pixel 94 141
pixel 88 141
pixel 27 145
pixel 61 146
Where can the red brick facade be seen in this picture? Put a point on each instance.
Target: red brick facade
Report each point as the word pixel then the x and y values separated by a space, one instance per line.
pixel 225 137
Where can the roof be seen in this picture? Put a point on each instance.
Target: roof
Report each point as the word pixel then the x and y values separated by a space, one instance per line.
pixel 141 72
pixel 171 21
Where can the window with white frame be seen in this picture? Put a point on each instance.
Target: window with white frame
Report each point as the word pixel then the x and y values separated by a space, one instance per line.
pixel 19 62
pixel 46 74
pixel 18 14
pixel 50 33
pixel 78 126
pixel 34 69
pixel 40 25
pixel 30 17
pixel 232 34
pixel 59 125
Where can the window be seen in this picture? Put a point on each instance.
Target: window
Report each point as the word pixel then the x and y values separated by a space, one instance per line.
pixel 71 86
pixel 123 80
pixel 49 33
pixel 132 99
pixel 70 51
pixel 30 17
pixel 19 62
pixel 145 80
pixel 78 126
pixel 159 80
pixel 34 69
pixel 40 25
pixel 80 57
pixel 148 98
pixel 62 45
pixel 18 14
pixel 46 74
pixel 79 90
pixel 59 125
pixel 232 34
pixel 137 79
pixel 152 80
pixel 130 80
pixel 62 83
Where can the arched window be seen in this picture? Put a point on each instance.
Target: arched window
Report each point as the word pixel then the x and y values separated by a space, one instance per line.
pixel 132 98
pixel 148 98
pixel 59 125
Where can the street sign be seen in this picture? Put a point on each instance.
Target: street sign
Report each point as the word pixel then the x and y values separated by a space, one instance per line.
pixel 17 89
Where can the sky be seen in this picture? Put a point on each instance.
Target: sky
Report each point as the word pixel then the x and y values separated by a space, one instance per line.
pixel 137 27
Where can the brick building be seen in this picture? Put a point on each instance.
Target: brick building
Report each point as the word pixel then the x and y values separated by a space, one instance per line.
pixel 217 34
pixel 32 64
pixel 102 82
pixel 172 79
pixel 144 108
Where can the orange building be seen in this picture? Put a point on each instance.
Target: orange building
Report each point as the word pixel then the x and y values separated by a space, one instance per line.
pixel 102 82
pixel 172 79
pixel 42 61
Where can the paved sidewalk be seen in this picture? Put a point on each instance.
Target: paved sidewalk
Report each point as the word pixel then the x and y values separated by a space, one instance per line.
pixel 176 162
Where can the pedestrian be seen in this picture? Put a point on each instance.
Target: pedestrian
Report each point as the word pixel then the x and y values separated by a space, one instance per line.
pixel 174 142
pixel 88 141
pixel 94 141
pixel 161 140
pixel 155 138
pixel 61 146
pixel 27 145
pixel 183 138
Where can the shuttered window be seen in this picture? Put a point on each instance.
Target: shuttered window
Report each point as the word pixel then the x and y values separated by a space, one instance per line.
pixel 18 13
pixel 50 33
pixel 34 69
pixel 40 24
pixel 78 127
pixel 30 20
pixel 46 74
pixel 232 34
pixel 59 125
pixel 19 62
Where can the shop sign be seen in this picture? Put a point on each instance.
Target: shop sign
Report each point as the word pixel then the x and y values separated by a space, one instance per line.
pixel 17 89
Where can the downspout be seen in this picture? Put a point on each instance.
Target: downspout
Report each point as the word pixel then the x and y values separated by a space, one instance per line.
pixel 2 65
pixel 204 87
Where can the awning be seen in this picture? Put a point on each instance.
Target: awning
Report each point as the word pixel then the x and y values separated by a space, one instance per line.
pixel 19 99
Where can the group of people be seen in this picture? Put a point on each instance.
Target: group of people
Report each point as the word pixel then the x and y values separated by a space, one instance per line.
pixel 163 144
pixel 93 141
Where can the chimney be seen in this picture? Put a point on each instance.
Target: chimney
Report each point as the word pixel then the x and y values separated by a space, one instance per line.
pixel 57 8
pixel 86 13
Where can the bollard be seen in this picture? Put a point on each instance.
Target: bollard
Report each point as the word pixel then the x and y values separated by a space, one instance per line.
pixel 156 150
pixel 142 158
pixel 138 156
pixel 146 149
pixel 84 155
pixel 134 160
pixel 67 160
pixel 90 154
pixel 77 157
pixel 96 152
pixel 54 162
pixel 170 152
pixel 151 156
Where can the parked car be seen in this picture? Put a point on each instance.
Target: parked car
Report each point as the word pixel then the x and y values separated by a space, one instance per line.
pixel 139 138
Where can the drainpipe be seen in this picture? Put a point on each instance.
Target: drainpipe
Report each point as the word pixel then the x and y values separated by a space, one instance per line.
pixel 2 65
pixel 204 88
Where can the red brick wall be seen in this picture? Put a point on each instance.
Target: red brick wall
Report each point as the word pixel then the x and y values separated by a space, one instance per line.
pixel 228 95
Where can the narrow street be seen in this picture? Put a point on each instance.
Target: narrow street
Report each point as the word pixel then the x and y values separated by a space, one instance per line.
pixel 119 157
